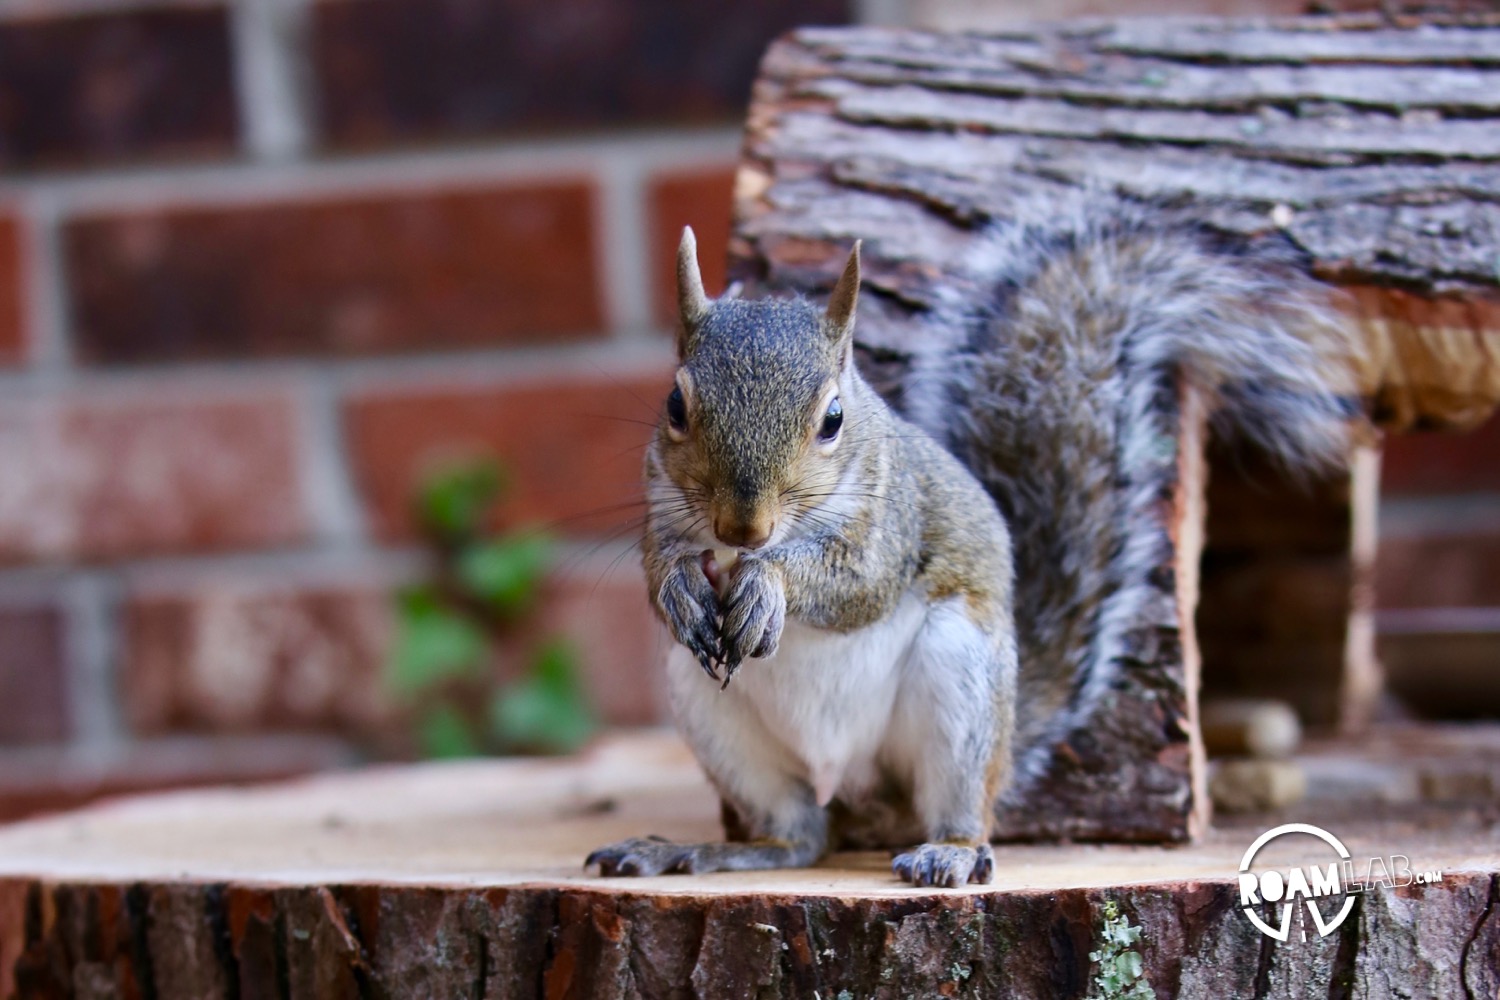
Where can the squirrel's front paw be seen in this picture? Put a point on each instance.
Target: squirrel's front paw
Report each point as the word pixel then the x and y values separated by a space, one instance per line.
pixel 754 612
pixel 691 609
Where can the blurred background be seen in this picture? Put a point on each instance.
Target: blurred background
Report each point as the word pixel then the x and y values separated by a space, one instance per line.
pixel 331 331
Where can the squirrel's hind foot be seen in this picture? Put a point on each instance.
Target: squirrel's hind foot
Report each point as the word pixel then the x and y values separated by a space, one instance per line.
pixel 946 865
pixel 642 856
pixel 646 856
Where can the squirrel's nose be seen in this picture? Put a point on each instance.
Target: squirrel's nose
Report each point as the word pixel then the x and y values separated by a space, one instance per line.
pixel 744 534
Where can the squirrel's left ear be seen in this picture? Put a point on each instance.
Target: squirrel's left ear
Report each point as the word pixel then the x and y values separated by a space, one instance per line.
pixel 840 315
pixel 692 303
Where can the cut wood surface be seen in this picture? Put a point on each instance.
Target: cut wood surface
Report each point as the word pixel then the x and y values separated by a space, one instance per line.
pixel 1373 148
pixel 465 880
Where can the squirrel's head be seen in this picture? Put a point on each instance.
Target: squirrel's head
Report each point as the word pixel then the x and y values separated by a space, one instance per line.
pixel 755 433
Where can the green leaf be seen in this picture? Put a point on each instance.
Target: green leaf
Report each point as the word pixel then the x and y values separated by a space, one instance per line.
pixel 433 644
pixel 1129 966
pixel 547 709
pixel 506 572
pixel 446 734
pixel 453 501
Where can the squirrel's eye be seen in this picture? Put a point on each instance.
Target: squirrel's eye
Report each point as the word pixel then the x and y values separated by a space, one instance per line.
pixel 677 409
pixel 832 421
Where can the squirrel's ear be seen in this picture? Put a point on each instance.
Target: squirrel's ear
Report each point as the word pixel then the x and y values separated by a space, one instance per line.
pixel 691 302
pixel 840 315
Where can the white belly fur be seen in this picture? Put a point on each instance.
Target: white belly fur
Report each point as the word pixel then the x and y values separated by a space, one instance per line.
pixel 828 696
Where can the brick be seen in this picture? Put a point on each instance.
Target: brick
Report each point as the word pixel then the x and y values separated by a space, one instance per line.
pixel 599 607
pixel 12 281
pixel 1426 462
pixel 417 69
pixel 1446 673
pixel 115 86
pixel 233 655
pixel 33 676
pixel 701 199
pixel 572 448
pixel 226 655
pixel 1459 571
pixel 392 271
pixel 125 474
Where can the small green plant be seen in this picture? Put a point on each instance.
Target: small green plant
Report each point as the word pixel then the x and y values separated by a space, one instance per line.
pixel 453 627
pixel 1121 974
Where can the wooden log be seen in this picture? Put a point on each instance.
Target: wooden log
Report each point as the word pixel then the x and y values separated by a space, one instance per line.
pixel 1370 148
pixel 1373 148
pixel 464 880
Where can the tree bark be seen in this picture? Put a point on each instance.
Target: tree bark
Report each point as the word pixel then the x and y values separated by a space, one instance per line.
pixel 463 880
pixel 1373 148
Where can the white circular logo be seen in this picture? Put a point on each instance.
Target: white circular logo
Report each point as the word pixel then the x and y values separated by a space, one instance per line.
pixel 1310 884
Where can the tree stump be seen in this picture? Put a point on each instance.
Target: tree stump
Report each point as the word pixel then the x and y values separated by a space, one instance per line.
pixel 464 880
pixel 1373 146
pixel 1370 146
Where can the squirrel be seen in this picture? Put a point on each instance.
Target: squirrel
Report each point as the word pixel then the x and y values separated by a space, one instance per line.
pixel 927 597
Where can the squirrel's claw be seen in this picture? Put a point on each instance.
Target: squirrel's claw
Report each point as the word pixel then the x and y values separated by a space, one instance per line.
pixel 754 615
pixel 707 648
pixel 707 663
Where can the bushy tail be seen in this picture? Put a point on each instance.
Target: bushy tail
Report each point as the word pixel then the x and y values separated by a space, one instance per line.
pixel 1062 394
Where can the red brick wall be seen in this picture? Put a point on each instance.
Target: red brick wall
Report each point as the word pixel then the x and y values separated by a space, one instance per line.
pixel 262 265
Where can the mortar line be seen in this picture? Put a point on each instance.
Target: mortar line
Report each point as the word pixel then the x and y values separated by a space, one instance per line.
pixel 327 479
pixel 273 77
pixel 272 569
pixel 499 366
pixel 47 315
pixel 354 174
pixel 94 645
pixel 624 245
pixel 885 13
pixel 269 569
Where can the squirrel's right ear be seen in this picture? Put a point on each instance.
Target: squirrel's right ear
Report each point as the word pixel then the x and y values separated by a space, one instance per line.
pixel 692 303
pixel 841 304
